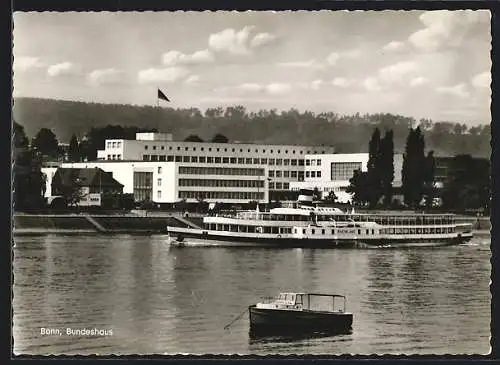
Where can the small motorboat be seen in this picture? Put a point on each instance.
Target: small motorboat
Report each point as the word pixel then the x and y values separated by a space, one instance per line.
pixel 301 312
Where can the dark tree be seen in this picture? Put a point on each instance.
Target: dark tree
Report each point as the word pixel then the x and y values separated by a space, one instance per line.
pixel 193 138
pixel 316 194
pixel 20 139
pixel 374 169
pixel 219 138
pixel 29 182
pixel 331 197
pixel 413 173
pixel 359 186
pixel 46 143
pixel 387 166
pixel 467 185
pixel 429 173
pixel 74 150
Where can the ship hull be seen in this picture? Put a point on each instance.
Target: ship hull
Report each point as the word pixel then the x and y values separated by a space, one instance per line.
pixel 277 320
pixel 195 237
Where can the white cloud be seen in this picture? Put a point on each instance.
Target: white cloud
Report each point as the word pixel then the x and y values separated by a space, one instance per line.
pixel 312 63
pixel 397 71
pixel 340 82
pixel 393 46
pixel 459 90
pixel 372 84
pixel 418 81
pixel 104 76
pixel 172 58
pixel 155 75
pixel 192 80
pixel 278 88
pixel 230 40
pixel 62 69
pixel 23 64
pixel 445 27
pixel 262 39
pixel 482 80
pixel 316 84
pixel 333 58
pixel 251 87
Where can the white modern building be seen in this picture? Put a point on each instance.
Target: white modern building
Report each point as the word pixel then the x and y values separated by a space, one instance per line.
pixel 331 172
pixel 154 167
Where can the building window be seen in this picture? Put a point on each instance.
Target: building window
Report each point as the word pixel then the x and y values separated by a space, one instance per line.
pixel 202 159
pixel 313 173
pixel 308 162
pixel 145 157
pixel 186 148
pixel 159 169
pixel 293 174
pixel 271 173
pixel 263 161
pixel 217 160
pixel 154 147
pixel 286 186
pixel 279 162
pixel 162 147
pixel 194 158
pixel 232 160
pixel 186 159
pixel 178 148
pixel 158 194
pixel 159 181
pixel 109 157
pixel 241 160
pixel 225 159
pixel 271 185
pixel 154 157
pixel 279 186
pixel 162 158
pixel 318 173
pixel 286 174
pixel 210 159
pixel 108 144
pixel 344 170
pixel 146 147
pixel 278 173
pixel 271 161
pixel 286 162
pixel 301 162
pixel 318 162
pixel 248 161
pixel 178 158
pixel 170 158
pixel 170 148
pixel 118 157
pixel 307 173
pixel 293 162
pixel 256 161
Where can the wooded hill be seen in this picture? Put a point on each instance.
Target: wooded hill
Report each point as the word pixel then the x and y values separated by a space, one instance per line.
pixel 348 133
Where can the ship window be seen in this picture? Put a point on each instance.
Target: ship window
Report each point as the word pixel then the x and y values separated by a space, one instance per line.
pixel 313 231
pixel 333 231
pixel 359 231
pixel 322 231
pixel 295 230
pixel 373 231
pixel 367 231
pixel 303 231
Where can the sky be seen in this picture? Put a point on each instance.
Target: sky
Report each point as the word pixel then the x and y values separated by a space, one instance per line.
pixel 421 64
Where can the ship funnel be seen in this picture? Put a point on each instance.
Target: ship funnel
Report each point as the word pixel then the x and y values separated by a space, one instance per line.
pixel 305 197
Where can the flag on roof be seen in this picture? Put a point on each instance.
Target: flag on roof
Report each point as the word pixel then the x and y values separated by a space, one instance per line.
pixel 162 96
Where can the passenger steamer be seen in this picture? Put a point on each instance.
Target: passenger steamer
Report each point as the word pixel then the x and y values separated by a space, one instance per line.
pixel 307 226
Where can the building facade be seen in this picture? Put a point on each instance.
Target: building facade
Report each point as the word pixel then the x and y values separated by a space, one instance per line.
pixel 331 172
pixel 155 167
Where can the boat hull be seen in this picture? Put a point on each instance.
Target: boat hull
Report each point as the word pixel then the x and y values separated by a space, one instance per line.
pixel 265 320
pixel 194 237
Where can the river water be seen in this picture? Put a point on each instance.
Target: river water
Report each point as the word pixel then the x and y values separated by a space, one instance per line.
pixel 143 297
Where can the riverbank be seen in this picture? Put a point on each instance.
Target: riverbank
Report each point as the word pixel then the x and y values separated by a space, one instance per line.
pixel 95 223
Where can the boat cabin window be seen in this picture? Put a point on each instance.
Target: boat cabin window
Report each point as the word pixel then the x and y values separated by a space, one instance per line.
pixel 303 231
pixel 299 299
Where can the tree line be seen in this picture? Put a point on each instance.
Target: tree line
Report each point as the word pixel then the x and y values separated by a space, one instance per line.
pixel 346 132
pixel 466 186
